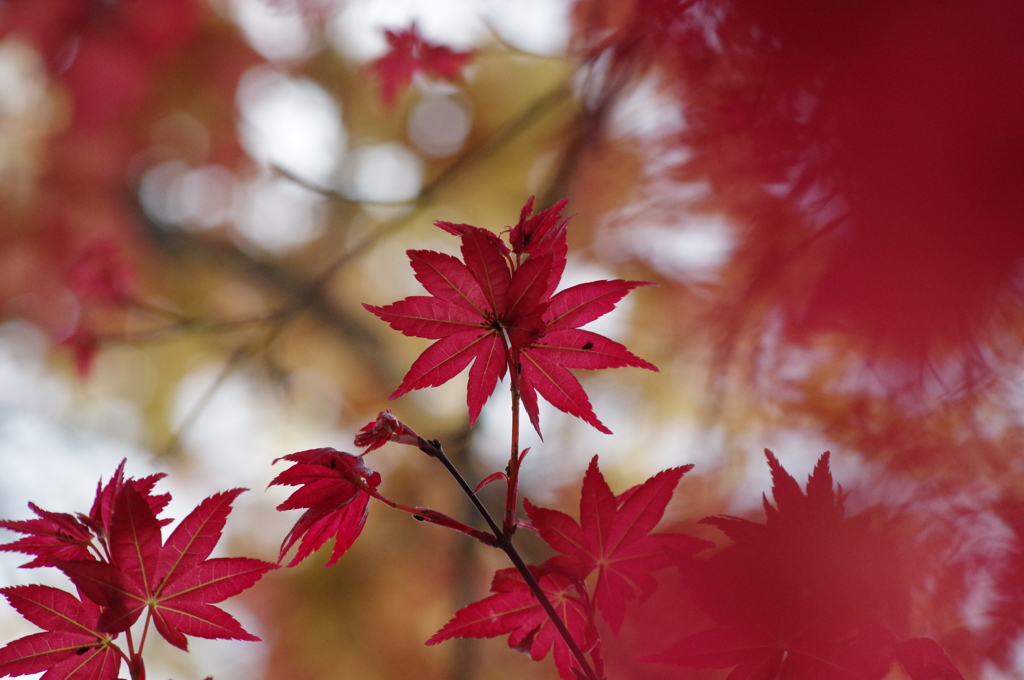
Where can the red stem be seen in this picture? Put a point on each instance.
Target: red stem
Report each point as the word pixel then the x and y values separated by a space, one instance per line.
pixel 137 668
pixel 512 488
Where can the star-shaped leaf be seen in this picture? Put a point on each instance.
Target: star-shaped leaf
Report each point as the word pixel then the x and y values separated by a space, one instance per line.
pixel 175 581
pixel 562 346
pixel 613 538
pixel 496 308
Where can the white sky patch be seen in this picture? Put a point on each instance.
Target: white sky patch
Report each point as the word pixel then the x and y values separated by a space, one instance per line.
pixel 798 452
pixel 191 198
pixel 243 426
pixel 645 112
pixel 1013 395
pixel 438 125
pixel 493 433
pixel 537 26
pixel 206 195
pixel 693 251
pixel 26 111
pixel 228 659
pixel 46 456
pixel 291 122
pixel 447 400
pixel 156 192
pixel 21 80
pixel 279 215
pixel 682 440
pixel 278 31
pixel 569 443
pixel 52 451
pixel 389 172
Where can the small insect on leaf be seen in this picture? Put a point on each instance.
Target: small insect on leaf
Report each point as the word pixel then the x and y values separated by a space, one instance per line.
pixel 528 328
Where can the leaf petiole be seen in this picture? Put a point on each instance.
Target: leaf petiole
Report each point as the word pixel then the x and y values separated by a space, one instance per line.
pixel 433 517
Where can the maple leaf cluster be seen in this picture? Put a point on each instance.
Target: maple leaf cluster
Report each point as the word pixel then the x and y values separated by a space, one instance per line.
pixel 497 308
pixel 122 568
pixel 809 594
pixel 612 542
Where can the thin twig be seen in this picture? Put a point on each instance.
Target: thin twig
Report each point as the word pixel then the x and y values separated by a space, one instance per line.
pixel 434 449
pixel 204 400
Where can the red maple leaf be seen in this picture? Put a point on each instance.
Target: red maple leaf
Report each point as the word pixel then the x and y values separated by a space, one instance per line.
pixel 810 593
pixel 73 646
pixel 410 54
pixel 334 489
pixel 175 581
pixel 495 308
pixel 613 537
pixel 513 610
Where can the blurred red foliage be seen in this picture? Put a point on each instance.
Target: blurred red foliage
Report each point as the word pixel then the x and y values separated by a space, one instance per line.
pixel 810 593
pixel 891 127
pixel 112 65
